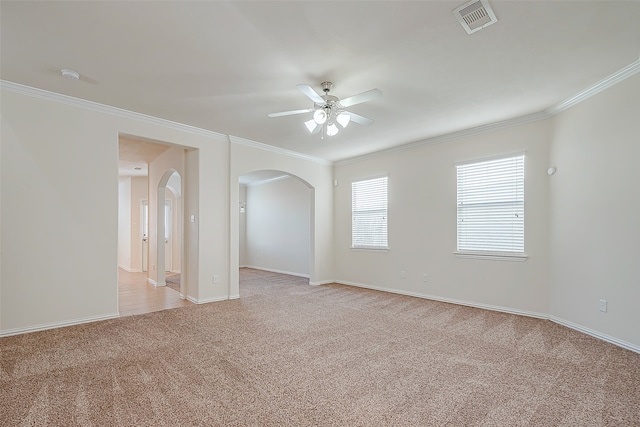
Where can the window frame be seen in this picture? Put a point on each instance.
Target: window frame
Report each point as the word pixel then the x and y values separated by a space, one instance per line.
pixel 367 247
pixel 498 255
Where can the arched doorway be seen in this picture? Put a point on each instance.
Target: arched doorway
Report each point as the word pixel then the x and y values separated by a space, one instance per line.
pixel 169 233
pixel 275 223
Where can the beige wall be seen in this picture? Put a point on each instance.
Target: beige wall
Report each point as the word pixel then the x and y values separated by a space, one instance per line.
pixel 245 159
pixel 278 226
pixel 139 192
pixel 59 214
pixel 160 170
pixel 581 223
pixel 124 223
pixel 595 213
pixel 59 178
pixel 242 227
pixel 422 224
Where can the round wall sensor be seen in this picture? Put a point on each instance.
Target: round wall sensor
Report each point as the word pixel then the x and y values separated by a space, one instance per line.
pixel 551 171
pixel 70 74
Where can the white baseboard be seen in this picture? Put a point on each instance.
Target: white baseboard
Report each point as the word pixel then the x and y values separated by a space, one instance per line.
pixel 175 271
pixel 566 323
pixel 43 327
pixel 207 300
pixel 289 273
pixel 449 300
pixel 156 284
pixel 596 334
pixel 234 296
pixel 322 282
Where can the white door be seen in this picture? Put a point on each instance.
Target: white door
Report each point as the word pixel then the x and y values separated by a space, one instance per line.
pixel 145 234
pixel 168 225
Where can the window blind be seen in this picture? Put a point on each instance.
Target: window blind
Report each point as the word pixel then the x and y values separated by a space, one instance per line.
pixel 491 205
pixel 369 213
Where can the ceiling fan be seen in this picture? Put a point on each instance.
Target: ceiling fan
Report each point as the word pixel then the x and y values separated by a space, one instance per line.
pixel 328 110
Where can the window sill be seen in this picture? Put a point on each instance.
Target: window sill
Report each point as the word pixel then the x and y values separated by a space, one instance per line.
pixel 517 257
pixel 363 249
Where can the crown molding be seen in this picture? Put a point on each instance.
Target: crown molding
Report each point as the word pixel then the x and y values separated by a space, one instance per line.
pixel 529 118
pixel 603 84
pixel 277 150
pixel 106 109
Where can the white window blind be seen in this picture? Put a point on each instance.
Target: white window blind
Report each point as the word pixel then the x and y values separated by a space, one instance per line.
pixel 491 206
pixel 369 213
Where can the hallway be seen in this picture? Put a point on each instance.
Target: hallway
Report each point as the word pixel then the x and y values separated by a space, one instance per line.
pixel 137 296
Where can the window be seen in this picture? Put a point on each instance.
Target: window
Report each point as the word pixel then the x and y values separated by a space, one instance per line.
pixel 491 207
pixel 369 214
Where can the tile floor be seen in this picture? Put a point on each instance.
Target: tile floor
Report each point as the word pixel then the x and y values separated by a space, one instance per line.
pixel 137 296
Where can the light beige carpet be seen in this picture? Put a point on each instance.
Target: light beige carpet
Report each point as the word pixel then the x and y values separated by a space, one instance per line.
pixel 289 354
pixel 172 280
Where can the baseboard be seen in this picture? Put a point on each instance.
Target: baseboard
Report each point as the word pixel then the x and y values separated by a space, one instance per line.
pixel 175 271
pixel 156 284
pixel 566 323
pixel 449 300
pixel 322 282
pixel 234 296
pixel 130 270
pixel 596 334
pixel 44 327
pixel 207 300
pixel 288 273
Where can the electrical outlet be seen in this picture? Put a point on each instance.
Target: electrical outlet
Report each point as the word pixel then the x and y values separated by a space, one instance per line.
pixel 215 278
pixel 425 277
pixel 603 305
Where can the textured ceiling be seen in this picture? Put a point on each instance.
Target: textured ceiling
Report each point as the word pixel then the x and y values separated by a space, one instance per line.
pixel 224 66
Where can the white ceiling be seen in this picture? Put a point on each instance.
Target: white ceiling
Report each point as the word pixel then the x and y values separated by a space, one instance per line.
pixel 135 154
pixel 224 66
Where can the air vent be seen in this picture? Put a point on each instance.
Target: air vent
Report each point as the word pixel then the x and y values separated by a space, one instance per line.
pixel 475 15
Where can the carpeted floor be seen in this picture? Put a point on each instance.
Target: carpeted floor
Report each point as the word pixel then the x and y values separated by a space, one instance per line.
pixel 172 281
pixel 289 354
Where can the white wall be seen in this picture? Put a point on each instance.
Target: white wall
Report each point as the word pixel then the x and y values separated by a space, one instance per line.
pixel 245 159
pixel 422 224
pixel 242 227
pixel 595 212
pixel 162 167
pixel 139 192
pixel 582 227
pixel 278 226
pixel 59 214
pixel 59 178
pixel 124 223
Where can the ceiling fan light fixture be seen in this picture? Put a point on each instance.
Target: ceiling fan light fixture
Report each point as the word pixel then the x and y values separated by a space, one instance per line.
pixel 320 116
pixel 332 129
pixel 311 125
pixel 343 119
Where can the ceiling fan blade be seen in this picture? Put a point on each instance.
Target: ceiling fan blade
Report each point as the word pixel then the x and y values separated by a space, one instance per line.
pixel 360 119
pixel 361 97
pixel 289 113
pixel 312 94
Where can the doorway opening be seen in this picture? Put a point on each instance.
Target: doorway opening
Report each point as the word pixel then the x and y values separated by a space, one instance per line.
pixel 149 226
pixel 276 226
pixel 169 222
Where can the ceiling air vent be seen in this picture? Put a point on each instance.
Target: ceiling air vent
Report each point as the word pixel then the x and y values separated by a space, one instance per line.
pixel 475 15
